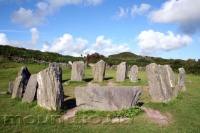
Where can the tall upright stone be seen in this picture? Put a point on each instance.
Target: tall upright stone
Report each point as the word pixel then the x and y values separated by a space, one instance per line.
pixel 181 79
pixel 99 71
pixel 10 87
pixel 18 87
pixel 20 82
pixel 53 64
pixel 78 71
pixel 25 74
pixel 31 89
pixel 121 73
pixel 50 93
pixel 134 74
pixel 161 82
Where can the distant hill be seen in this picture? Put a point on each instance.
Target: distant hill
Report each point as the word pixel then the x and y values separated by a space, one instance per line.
pixel 8 52
pixel 124 55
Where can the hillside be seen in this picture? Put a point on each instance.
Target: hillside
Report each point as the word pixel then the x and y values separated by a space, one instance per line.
pixel 8 52
pixel 122 55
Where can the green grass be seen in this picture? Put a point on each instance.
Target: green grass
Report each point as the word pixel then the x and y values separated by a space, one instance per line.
pixel 185 109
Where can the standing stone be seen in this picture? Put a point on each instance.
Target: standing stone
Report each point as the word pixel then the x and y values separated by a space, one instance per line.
pixel 31 89
pixel 121 74
pixel 85 64
pixel 78 71
pixel 18 87
pixel 99 71
pixel 107 98
pixel 53 64
pixel 25 74
pixel 50 93
pixel 134 74
pixel 181 79
pixel 10 87
pixel 161 82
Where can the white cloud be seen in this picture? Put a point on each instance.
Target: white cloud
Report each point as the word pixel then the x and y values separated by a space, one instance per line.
pixel 37 17
pixel 3 39
pixel 56 4
pixel 152 43
pixel 183 12
pixel 106 47
pixel 35 37
pixel 28 17
pixel 93 2
pixel 122 13
pixel 139 10
pixel 66 45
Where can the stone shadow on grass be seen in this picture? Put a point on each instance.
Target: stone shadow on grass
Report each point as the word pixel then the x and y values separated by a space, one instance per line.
pixel 140 104
pixel 65 80
pixel 108 78
pixel 88 79
pixel 69 104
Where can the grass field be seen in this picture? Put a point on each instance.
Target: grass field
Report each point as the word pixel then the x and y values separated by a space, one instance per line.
pixel 29 118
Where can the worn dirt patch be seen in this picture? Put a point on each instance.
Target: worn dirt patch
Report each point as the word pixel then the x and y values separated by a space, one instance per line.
pixel 110 83
pixel 156 117
pixel 71 113
pixel 90 84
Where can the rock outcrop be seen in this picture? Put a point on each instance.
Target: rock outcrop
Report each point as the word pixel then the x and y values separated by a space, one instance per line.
pixel 50 93
pixel 121 73
pixel 107 98
pixel 161 82
pixel 78 71
pixel 134 74
pixel 99 71
pixel 31 89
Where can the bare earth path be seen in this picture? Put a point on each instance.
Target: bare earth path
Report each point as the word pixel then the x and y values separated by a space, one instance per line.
pixel 156 117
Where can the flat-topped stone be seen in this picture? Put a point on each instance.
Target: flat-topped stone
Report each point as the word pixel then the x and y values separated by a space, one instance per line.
pixel 107 97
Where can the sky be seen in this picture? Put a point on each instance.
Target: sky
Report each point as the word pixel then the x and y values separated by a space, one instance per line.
pixel 168 29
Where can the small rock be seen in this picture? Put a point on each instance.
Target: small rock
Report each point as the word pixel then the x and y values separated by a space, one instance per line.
pixel 3 92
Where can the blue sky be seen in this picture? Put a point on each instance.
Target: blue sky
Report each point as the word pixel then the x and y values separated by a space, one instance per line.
pixel 159 28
